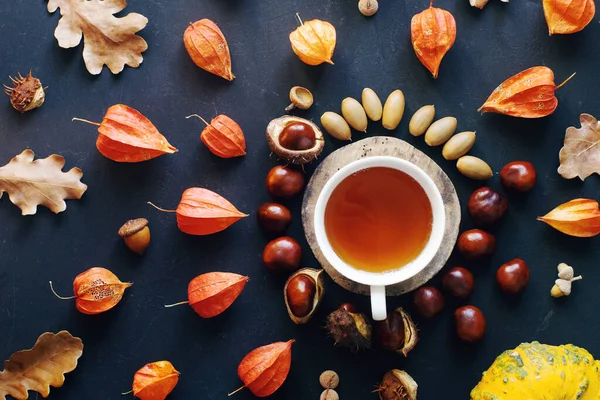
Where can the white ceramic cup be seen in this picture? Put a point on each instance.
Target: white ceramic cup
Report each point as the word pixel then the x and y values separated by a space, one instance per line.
pixel 379 280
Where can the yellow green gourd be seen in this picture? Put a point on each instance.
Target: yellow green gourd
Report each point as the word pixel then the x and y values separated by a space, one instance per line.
pixel 535 371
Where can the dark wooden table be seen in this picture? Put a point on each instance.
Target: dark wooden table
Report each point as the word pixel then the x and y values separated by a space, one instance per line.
pixel 492 45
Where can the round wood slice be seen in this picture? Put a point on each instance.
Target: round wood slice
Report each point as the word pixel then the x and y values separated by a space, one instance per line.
pixel 383 146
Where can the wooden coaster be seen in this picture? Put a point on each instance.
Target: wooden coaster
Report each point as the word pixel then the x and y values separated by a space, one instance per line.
pixel 383 146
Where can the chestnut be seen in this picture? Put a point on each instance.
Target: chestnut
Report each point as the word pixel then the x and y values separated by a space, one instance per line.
pixel 486 206
pixel 282 254
pixel 470 323
pixel 428 301
pixel 348 307
pixel 397 332
pixel 513 276
pixel 303 293
pixel 349 329
pixel 459 282
pixel 297 136
pixel 274 218
pixel 519 176
pixel 284 182
pixel 476 244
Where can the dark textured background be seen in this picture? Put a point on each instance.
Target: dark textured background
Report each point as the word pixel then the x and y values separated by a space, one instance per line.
pixel 492 45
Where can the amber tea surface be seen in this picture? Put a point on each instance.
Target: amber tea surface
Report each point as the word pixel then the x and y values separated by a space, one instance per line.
pixel 378 219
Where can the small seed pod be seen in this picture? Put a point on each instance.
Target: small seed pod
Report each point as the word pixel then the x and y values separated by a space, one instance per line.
pixel 372 104
pixel 349 329
pixel 397 385
pixel 336 126
pixel 136 235
pixel 26 94
pixel 393 110
pixel 397 332
pixel 301 98
pixel 421 120
pixel 440 131
pixel 295 140
pixel 303 293
pixel 458 145
pixel 474 168
pixel 329 379
pixel 354 114
pixel 368 7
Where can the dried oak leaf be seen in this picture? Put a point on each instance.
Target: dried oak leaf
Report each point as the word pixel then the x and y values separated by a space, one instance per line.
pixel 108 40
pixel 580 155
pixel 52 356
pixel 41 182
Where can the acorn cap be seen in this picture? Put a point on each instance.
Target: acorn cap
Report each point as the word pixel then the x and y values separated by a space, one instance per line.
pixel 132 227
pixel 301 98
pixel 275 128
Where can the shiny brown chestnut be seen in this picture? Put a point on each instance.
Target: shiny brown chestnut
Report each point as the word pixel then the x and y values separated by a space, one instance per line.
pixel 486 206
pixel 282 254
pixel 274 218
pixel 397 332
pixel 519 176
pixel 513 276
pixel 303 293
pixel 297 136
pixel 470 323
pixel 476 244
pixel 428 301
pixel 459 282
pixel 284 182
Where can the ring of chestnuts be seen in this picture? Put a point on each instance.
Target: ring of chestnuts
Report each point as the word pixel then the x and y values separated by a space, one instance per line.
pixel 470 323
pixel 303 293
pixel 486 206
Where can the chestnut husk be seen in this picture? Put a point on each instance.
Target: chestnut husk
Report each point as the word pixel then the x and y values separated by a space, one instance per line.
pixel 391 335
pixel 317 276
pixel 349 329
pixel 397 385
pixel 275 128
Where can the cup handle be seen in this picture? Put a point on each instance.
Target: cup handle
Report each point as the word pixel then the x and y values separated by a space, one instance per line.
pixel 378 303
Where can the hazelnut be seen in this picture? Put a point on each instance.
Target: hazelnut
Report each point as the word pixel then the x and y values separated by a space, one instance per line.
pixel 284 182
pixel 136 234
pixel 513 276
pixel 274 218
pixel 486 206
pixel 282 254
pixel 459 282
pixel 303 293
pixel 476 244
pixel 519 176
pixel 428 301
pixel 470 323
pixel 397 332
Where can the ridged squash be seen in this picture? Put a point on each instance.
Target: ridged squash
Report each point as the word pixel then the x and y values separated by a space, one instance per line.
pixel 535 371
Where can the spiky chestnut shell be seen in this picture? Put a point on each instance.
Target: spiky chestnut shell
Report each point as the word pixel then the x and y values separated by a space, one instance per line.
pixel 397 385
pixel 26 94
pixel 274 135
pixel 349 329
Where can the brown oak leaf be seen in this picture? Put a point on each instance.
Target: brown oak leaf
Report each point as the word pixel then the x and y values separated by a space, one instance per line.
pixel 41 182
pixel 52 356
pixel 108 40
pixel 580 155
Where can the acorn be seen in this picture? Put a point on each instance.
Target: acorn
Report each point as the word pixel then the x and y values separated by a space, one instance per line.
pixel 136 235
pixel 301 98
pixel 397 385
pixel 26 94
pixel 295 140
pixel 349 329
pixel 303 293
pixel 397 332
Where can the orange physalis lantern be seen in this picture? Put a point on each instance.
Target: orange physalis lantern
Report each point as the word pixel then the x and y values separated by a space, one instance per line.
pixel 433 33
pixel 203 212
pixel 314 41
pixel 125 135
pixel 223 137
pixel 578 217
pixel 212 293
pixel 528 94
pixel 154 381
pixel 568 16
pixel 96 290
pixel 208 48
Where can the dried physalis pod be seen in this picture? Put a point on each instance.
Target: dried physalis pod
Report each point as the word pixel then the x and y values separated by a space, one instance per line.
pixel 208 48
pixel 568 16
pixel 223 137
pixel 528 94
pixel 125 135
pixel 26 94
pixel 155 381
pixel 433 33
pixel 96 290
pixel 295 140
pixel 349 328
pixel 314 41
pixel 204 212
pixel 562 286
pixel 303 293
pixel 397 332
pixel 301 98
pixel 578 217
pixel 212 293
pixel 397 385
